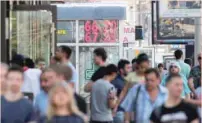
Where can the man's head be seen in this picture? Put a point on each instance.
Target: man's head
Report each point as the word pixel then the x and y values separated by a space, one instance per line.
pixel 63 52
pixel 55 74
pixel 152 78
pixel 111 71
pixel 100 56
pixel 160 67
pixel 142 63
pixel 174 85
pixel 188 61
pixel 174 68
pixel 178 54
pixel 134 64
pixel 29 63
pixel 124 67
pixel 199 58
pixel 41 64
pixel 3 73
pixel 14 79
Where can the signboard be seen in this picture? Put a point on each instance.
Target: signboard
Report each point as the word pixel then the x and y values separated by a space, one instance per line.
pixel 89 72
pixel 180 8
pixel 127 34
pixel 95 31
pixel 176 30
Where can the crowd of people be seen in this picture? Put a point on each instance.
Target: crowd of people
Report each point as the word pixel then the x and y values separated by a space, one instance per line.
pixel 129 92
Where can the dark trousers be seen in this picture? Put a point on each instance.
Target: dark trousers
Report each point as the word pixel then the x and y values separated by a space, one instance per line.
pixel 100 122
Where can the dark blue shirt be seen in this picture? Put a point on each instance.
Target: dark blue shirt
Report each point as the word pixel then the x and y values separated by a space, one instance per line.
pixel 119 84
pixel 20 111
pixel 66 119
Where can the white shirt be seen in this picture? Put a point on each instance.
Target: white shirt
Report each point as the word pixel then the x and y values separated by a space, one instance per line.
pixel 31 81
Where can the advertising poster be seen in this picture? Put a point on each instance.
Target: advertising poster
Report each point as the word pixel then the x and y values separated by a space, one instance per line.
pixel 180 8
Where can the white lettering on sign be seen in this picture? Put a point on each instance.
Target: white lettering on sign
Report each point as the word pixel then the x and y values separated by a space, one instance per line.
pixel 129 29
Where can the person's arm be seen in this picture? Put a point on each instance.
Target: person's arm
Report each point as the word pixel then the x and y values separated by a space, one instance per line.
pixel 191 84
pixel 127 117
pixel 88 87
pixel 123 93
pixel 194 102
pixel 112 102
pixel 112 98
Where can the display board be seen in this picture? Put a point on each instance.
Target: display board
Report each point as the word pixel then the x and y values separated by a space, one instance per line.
pixel 98 31
pixel 180 8
pixel 171 30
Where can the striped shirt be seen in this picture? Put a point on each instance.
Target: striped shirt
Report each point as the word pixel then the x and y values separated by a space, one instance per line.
pixel 144 105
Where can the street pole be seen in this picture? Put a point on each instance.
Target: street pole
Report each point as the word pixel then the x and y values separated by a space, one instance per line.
pixel 198 38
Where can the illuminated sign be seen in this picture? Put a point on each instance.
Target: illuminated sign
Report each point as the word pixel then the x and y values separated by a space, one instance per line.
pixel 100 31
pixel 61 32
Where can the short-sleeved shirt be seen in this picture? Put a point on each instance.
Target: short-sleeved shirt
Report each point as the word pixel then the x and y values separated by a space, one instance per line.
pixel 185 68
pixel 182 113
pixel 133 78
pixel 100 73
pixel 20 111
pixel 196 75
pixel 41 103
pixel 144 106
pixel 100 110
pixel 65 119
pixel 74 78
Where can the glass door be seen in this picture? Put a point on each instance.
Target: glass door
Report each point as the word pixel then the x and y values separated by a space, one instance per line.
pixel 32 33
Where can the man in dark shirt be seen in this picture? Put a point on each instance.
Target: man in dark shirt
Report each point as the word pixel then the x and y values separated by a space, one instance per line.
pixel 14 107
pixel 100 57
pixel 124 68
pixel 195 76
pixel 175 109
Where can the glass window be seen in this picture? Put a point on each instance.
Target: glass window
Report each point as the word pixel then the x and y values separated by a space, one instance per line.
pixel 31 34
pixel 98 31
pixel 87 66
pixel 66 31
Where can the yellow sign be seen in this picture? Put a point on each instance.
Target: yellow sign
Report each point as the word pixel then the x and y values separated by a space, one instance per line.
pixel 61 32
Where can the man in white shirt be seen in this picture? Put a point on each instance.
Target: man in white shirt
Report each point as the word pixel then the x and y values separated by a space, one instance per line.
pixel 63 53
pixel 31 78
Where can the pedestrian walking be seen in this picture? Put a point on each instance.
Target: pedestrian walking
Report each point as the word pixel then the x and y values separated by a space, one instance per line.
pixel 100 57
pixel 63 53
pixel 124 68
pixel 185 68
pixel 14 107
pixel 103 97
pixel 174 68
pixel 175 109
pixel 62 107
pixel 143 98
pixel 195 76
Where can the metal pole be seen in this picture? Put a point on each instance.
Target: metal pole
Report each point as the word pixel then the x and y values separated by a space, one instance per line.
pixel 198 38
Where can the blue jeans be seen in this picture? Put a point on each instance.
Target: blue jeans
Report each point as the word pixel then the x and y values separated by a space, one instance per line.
pixel 119 118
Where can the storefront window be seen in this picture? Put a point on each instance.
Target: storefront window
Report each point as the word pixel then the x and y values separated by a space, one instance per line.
pixel 98 31
pixel 31 34
pixel 87 66
pixel 66 31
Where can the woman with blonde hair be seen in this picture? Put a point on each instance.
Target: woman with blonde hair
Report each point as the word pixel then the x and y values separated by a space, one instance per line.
pixel 62 107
